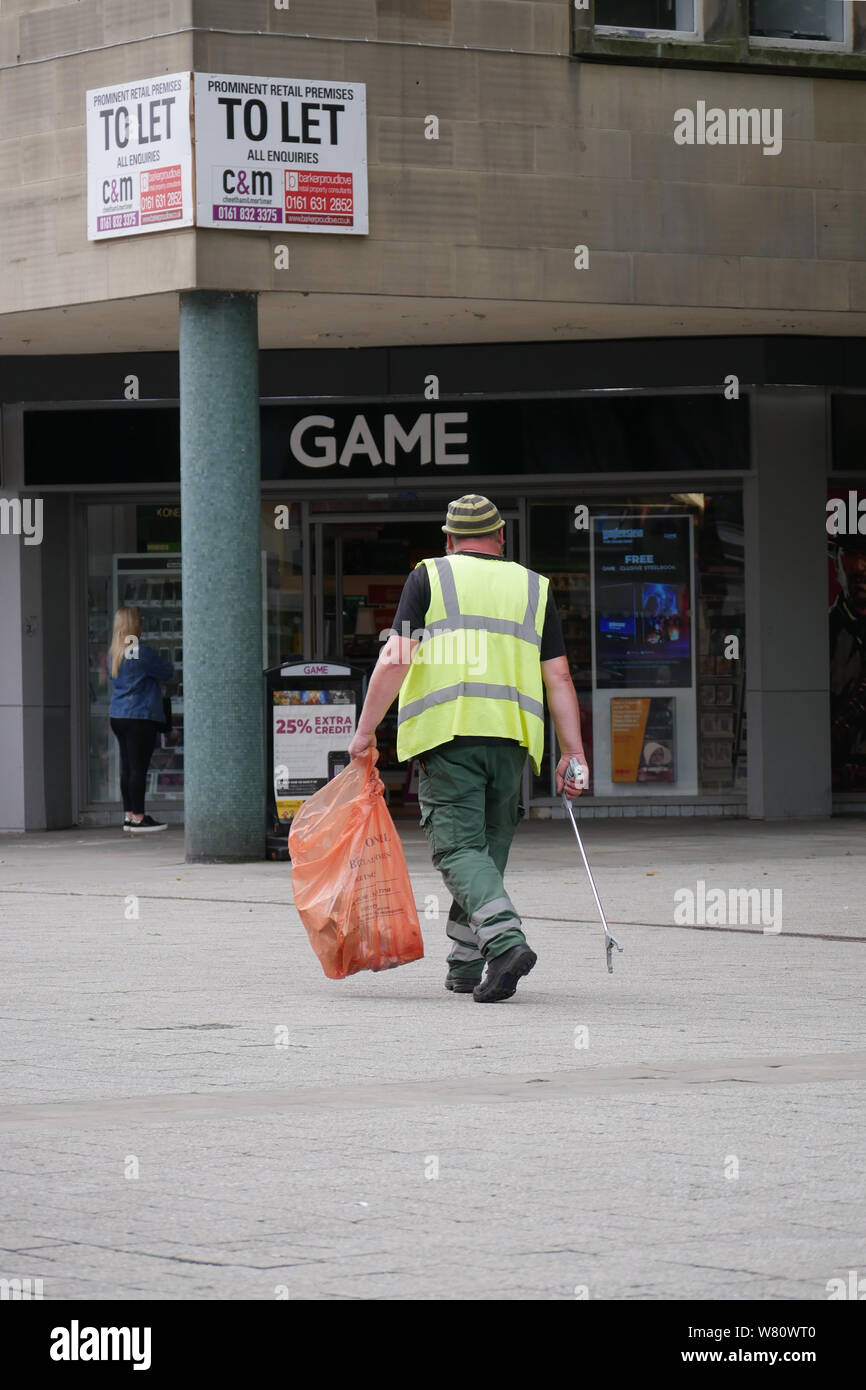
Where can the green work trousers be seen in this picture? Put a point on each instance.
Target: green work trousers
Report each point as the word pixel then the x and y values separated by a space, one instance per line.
pixel 470 808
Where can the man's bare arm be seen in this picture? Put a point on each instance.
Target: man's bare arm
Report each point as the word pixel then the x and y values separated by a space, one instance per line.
pixel 388 675
pixel 562 699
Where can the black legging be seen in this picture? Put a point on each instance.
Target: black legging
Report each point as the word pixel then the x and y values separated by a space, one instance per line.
pixel 137 739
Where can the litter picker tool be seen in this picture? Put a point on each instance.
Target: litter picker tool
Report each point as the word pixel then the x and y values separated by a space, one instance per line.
pixel 575 774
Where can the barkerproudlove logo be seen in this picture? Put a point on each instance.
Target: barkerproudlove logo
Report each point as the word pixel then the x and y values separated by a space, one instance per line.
pixel 737 126
pixel 77 1343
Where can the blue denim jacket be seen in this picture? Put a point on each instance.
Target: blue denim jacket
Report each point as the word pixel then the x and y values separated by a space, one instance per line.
pixel 135 692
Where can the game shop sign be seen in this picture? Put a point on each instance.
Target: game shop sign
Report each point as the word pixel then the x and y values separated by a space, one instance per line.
pixel 286 153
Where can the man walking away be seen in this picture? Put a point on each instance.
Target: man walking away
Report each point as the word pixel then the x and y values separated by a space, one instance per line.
pixel 471 707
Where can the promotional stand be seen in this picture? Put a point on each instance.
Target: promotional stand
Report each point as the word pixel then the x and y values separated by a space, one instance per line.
pixel 311 714
pixel 643 655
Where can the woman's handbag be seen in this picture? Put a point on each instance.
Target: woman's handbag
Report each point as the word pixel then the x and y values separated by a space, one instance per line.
pixel 165 727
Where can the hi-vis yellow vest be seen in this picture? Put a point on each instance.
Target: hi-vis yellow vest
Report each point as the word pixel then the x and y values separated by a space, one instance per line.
pixel 477 668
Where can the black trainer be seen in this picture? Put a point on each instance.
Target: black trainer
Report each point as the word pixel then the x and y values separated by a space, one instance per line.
pixel 144 826
pixel 503 972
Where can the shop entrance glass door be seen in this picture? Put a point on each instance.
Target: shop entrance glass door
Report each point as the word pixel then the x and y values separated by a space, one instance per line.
pixel 360 567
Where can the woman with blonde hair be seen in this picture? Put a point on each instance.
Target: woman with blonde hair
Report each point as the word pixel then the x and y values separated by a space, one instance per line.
pixel 136 712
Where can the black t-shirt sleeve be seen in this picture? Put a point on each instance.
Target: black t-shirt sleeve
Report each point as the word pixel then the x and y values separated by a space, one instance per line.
pixel 552 640
pixel 414 602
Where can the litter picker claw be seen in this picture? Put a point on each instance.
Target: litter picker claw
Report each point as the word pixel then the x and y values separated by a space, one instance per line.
pixel 575 773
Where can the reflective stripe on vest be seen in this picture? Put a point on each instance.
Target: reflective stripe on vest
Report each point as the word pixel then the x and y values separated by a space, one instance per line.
pixel 443 697
pixel 473 690
pixel 455 620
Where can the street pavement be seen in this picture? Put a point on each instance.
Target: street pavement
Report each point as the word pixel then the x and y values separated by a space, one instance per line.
pixel 191 1110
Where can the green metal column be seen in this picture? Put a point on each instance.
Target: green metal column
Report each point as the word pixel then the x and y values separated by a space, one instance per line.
pixel 220 496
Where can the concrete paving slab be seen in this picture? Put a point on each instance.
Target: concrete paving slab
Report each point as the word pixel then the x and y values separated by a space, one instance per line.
pixel 690 1127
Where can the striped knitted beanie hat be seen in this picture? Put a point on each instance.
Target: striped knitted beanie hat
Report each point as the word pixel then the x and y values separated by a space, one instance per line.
pixel 472 515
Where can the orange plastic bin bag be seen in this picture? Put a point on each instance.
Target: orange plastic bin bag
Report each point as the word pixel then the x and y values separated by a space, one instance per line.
pixel 349 876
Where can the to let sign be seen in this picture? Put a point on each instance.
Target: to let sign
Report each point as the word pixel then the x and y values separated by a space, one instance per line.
pixel 281 152
pixel 139 157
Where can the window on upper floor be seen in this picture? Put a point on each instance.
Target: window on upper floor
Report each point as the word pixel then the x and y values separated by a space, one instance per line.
pixel 808 22
pixel 808 37
pixel 665 16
